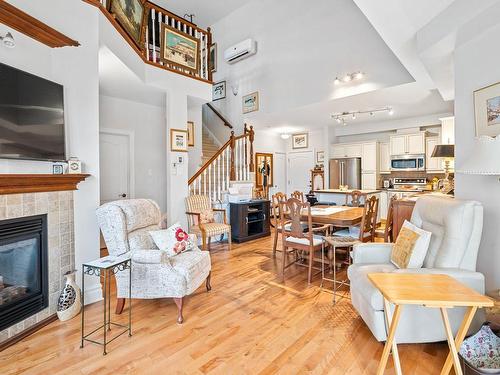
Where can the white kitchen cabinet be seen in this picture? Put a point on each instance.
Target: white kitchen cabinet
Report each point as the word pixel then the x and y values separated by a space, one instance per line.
pixel 369 181
pixel 402 144
pixel 447 130
pixel 432 164
pixel 383 205
pixel 385 158
pixel 416 143
pixel 369 157
pixel 353 151
pixel 338 151
pixel 398 144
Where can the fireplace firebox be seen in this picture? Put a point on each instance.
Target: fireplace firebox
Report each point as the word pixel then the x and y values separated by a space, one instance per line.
pixel 23 268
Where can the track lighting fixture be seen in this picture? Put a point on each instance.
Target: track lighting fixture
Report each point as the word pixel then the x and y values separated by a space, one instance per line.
pixel 349 77
pixel 341 117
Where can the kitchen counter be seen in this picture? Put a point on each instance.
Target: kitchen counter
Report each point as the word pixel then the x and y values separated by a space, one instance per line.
pixel 348 191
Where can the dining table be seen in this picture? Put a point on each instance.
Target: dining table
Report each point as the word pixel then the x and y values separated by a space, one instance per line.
pixel 338 216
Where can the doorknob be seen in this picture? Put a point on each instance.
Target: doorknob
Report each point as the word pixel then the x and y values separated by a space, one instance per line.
pixel 123 195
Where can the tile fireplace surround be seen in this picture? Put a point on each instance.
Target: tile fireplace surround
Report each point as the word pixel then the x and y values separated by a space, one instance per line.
pixel 61 250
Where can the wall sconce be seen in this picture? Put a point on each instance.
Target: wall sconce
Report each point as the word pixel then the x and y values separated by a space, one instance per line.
pixel 8 40
pixel 234 89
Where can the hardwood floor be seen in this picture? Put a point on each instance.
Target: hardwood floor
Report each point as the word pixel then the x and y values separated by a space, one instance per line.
pixel 250 323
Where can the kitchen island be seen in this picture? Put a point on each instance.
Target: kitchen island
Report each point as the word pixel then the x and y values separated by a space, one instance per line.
pixel 337 196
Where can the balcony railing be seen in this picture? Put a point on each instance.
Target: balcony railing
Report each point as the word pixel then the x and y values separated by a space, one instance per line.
pixel 149 47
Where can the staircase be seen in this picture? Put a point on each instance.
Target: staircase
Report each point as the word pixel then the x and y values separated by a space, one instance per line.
pixel 223 165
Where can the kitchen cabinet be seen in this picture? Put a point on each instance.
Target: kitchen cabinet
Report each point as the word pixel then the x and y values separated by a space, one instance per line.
pixel 369 180
pixel 369 157
pixel 346 150
pixel 447 130
pixel 385 158
pixel 432 164
pixel 402 144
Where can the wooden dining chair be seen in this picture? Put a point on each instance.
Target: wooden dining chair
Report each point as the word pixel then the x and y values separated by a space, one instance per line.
pixel 298 195
pixel 295 239
pixel 276 201
pixel 353 199
pixel 386 231
pixel 346 242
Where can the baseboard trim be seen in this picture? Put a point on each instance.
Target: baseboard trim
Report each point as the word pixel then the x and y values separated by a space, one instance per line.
pixel 21 335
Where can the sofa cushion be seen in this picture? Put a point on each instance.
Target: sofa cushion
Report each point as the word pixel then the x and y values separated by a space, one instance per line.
pixel 193 266
pixel 411 246
pixel 360 283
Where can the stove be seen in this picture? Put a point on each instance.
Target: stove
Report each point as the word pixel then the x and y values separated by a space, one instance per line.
pixel 409 184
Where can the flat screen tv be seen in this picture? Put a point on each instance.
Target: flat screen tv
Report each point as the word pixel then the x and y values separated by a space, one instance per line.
pixel 31 117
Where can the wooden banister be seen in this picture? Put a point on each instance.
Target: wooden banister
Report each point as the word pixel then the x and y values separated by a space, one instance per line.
pixel 232 169
pixel 210 161
pixel 219 115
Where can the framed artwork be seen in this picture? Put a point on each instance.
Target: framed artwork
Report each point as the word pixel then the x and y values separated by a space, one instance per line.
pixel 178 140
pixel 300 141
pixel 320 157
pixel 190 127
pixel 57 169
pixel 213 57
pixel 129 14
pixel 487 110
pixel 179 49
pixel 263 169
pixel 219 90
pixel 251 102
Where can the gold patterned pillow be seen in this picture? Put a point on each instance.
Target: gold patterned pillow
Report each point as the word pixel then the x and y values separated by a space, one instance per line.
pixel 403 248
pixel 207 216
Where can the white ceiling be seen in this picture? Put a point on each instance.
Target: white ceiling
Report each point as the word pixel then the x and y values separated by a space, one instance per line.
pixel 420 12
pixel 207 12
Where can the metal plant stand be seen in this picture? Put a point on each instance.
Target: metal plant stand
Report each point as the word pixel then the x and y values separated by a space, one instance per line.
pixel 107 267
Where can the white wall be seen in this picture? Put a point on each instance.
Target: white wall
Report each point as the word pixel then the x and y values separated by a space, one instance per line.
pixel 147 122
pixel 476 66
pixel 195 152
pixel 77 69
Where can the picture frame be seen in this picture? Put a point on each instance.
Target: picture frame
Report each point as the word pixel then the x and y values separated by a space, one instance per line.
pixel 250 102
pixel 57 169
pixel 130 15
pixel 320 157
pixel 179 49
pixel 219 91
pixel 190 132
pixel 178 140
pixel 263 159
pixel 300 141
pixel 212 57
pixel 487 110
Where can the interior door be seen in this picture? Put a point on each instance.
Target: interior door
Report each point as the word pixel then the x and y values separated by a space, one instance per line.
pixel 279 173
pixel 299 171
pixel 114 164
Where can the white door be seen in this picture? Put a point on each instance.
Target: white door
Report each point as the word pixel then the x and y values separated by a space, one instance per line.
pixel 299 171
pixel 115 166
pixel 279 173
pixel 416 143
pixel 398 145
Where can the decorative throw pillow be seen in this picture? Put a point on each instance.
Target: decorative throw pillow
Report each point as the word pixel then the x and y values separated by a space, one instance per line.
pixel 173 240
pixel 411 246
pixel 207 216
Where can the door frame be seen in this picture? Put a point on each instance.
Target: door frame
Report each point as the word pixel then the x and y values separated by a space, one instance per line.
pixel 288 153
pixel 286 168
pixel 131 141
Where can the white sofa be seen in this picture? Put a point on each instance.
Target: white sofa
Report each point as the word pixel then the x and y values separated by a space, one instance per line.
pixel 456 228
pixel 125 225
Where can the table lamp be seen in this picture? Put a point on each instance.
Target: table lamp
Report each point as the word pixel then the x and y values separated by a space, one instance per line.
pixel 447 152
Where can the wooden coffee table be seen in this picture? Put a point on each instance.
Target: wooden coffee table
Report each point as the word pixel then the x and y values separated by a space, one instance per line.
pixel 433 291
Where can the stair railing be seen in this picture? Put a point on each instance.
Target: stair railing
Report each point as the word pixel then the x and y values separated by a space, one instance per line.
pixel 232 162
pixel 149 46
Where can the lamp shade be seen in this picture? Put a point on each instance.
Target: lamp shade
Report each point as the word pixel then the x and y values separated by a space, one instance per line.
pixel 483 158
pixel 443 151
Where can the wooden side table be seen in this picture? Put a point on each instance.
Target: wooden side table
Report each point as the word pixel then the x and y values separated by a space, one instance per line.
pixel 106 267
pixel 433 291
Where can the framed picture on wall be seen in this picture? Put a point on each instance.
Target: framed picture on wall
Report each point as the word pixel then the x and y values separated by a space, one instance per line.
pixel 300 141
pixel 251 102
pixel 213 57
pixel 487 110
pixel 129 14
pixel 179 49
pixel 178 140
pixel 320 157
pixel 219 90
pixel 190 130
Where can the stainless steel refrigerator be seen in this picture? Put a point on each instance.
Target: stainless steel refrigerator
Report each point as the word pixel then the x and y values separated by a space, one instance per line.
pixel 345 172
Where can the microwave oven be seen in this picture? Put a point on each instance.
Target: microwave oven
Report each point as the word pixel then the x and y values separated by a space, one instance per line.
pixel 408 163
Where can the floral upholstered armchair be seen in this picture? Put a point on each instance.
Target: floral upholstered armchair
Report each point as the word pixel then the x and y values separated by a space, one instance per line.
pixel 125 226
pixel 202 221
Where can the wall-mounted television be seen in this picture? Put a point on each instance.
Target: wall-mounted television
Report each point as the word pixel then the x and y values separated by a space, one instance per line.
pixel 31 117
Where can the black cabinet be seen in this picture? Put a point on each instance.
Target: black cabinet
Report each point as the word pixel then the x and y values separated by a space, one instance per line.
pixel 249 220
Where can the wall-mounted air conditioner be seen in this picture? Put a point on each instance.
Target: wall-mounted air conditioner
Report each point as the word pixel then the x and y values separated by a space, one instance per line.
pixel 240 51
